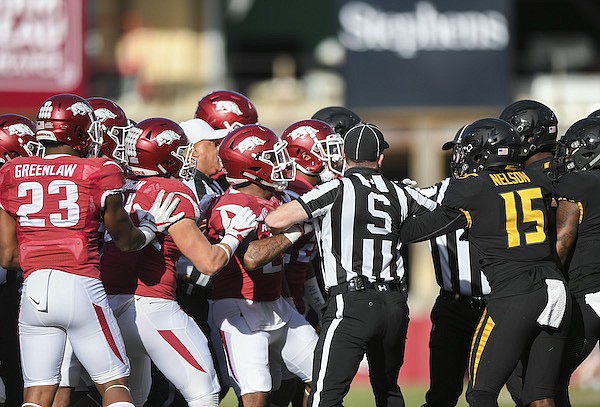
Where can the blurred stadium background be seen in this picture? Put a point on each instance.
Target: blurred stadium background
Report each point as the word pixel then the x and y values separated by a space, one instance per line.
pixel 419 69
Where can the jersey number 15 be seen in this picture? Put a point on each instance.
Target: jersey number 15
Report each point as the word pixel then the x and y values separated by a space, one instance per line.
pixel 528 215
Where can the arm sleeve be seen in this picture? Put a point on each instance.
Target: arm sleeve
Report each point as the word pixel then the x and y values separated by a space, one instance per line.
pixel 432 224
pixel 318 201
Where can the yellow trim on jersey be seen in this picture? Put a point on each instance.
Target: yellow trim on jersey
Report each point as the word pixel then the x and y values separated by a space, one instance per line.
pixel 468 216
pixel 472 174
pixel 487 331
pixel 579 205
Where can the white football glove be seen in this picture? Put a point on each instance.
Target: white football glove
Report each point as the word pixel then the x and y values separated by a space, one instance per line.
pixel 295 232
pixel 240 226
pixel 158 218
pixel 409 182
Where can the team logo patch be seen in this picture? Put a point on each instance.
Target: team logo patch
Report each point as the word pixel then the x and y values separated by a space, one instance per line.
pixel 103 113
pixel 303 131
pixel 167 137
pixel 250 143
pixel 80 108
pixel 227 106
pixel 20 130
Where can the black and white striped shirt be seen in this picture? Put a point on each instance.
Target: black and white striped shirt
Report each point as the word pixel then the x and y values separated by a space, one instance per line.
pixel 205 188
pixel 358 225
pixel 455 261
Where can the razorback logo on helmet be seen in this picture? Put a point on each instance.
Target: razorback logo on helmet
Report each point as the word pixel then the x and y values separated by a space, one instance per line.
pixel 167 137
pixel 250 143
pixel 45 110
pixel 103 113
pixel 227 106
pixel 19 129
pixel 303 131
pixel 80 108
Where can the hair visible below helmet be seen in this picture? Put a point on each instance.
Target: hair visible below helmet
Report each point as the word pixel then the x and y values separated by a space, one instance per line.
pixel 115 127
pixel 488 144
pixel 315 147
pixel 579 148
pixel 339 118
pixel 226 109
pixel 69 119
pixel 159 147
pixel 536 124
pixel 17 138
pixel 254 153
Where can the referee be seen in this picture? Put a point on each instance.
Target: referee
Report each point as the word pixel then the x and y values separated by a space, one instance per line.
pixel 456 312
pixel 357 221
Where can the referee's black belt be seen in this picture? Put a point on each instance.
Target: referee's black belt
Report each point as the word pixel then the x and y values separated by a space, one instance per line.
pixel 361 283
pixel 475 302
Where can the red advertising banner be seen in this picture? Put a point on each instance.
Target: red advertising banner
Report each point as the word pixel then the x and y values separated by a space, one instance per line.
pixel 41 51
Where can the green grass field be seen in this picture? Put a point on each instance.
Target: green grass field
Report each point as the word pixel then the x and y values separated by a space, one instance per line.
pixel 361 396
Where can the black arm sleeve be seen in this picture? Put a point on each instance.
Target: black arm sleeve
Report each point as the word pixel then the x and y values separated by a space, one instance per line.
pixel 432 224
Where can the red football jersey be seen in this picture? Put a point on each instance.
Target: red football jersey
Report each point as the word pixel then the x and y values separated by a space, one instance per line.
pixel 298 257
pixel 151 271
pixel 234 281
pixel 57 202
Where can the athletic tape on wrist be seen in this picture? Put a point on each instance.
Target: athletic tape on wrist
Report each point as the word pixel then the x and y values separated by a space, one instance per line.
pixel 232 242
pixel 293 233
pixel 149 235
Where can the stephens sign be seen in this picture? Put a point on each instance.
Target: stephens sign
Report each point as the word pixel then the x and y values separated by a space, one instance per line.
pixel 41 50
pixel 426 53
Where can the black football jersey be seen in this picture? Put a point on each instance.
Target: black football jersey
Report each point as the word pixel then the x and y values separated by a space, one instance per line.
pixel 509 215
pixel 584 269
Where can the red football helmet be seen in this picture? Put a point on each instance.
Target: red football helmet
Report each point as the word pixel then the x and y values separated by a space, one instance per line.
pixel 17 138
pixel 159 146
pixel 226 109
pixel 254 153
pixel 316 148
pixel 115 126
pixel 70 119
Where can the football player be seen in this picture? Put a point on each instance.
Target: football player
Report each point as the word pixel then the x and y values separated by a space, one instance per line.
pixel 17 139
pixel 258 328
pixel 578 226
pixel 115 127
pixel 528 311
pixel 317 152
pixel 226 109
pixel 537 125
pixel 154 327
pixel 53 206
pixel 341 119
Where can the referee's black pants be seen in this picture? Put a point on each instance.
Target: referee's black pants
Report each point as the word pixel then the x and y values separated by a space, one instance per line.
pixel 453 325
pixel 355 323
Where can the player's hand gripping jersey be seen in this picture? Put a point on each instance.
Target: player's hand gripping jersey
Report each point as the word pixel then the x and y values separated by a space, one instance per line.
pixel 151 271
pixel 57 202
pixel 234 281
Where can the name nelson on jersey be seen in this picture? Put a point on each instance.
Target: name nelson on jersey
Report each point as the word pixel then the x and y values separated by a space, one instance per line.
pixel 39 170
pixel 509 178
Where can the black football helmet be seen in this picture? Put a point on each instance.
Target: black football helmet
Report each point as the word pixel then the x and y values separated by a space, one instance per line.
pixel 595 114
pixel 340 118
pixel 536 124
pixel 579 148
pixel 488 144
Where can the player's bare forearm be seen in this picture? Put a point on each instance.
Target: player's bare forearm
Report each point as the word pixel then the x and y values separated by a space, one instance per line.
pixel 263 251
pixel 118 223
pixel 286 215
pixel 567 223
